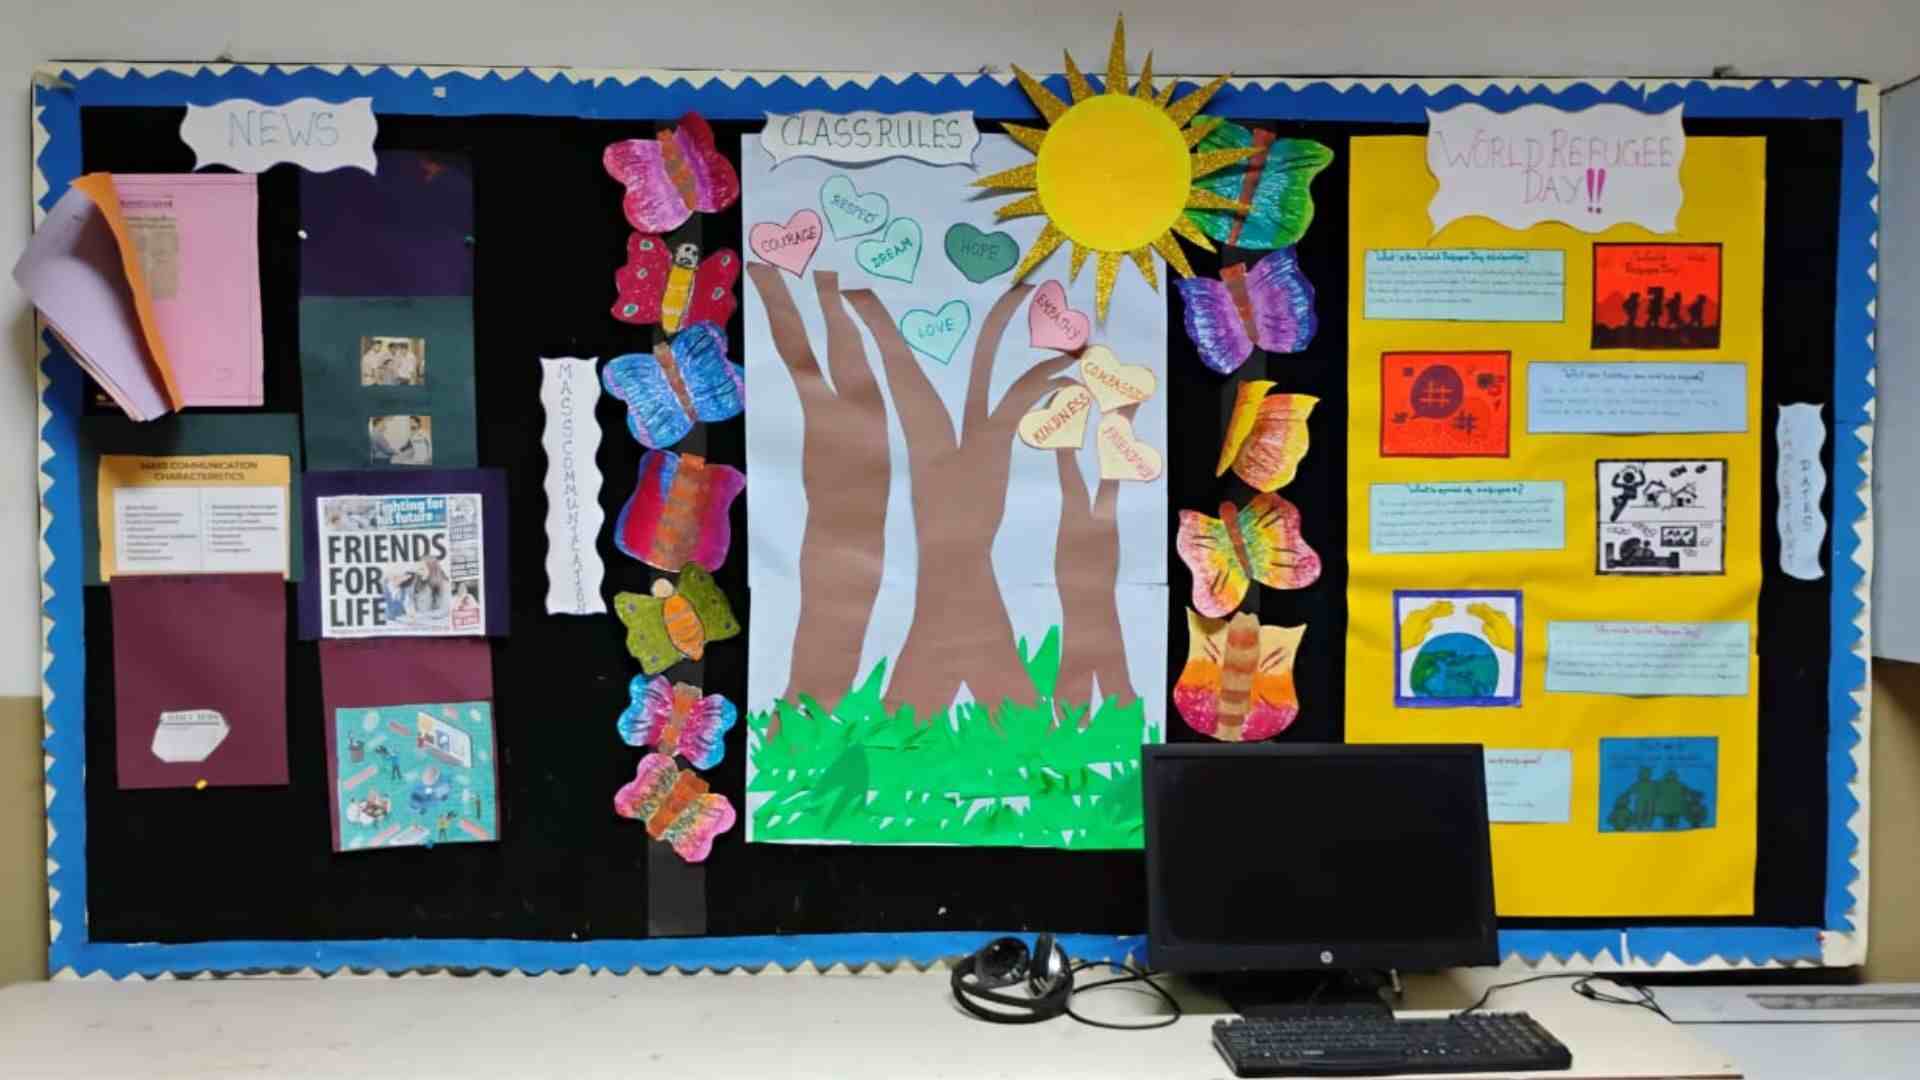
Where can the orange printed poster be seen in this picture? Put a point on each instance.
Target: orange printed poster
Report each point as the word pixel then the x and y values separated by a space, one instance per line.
pixel 1445 404
pixel 1656 296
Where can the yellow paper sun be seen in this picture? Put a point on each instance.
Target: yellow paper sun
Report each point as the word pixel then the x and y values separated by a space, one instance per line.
pixel 1113 171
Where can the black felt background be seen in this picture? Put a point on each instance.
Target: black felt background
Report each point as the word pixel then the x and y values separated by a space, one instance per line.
pixel 176 866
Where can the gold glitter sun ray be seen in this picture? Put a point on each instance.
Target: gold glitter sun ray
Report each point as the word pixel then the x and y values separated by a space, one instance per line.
pixel 1044 245
pixel 1050 107
pixel 1117 58
pixel 1077 80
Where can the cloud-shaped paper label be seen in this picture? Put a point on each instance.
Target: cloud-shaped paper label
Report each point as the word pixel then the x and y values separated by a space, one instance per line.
pixel 318 136
pixel 1593 169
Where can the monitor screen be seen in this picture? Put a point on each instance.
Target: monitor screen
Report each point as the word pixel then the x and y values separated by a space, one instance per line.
pixel 1317 856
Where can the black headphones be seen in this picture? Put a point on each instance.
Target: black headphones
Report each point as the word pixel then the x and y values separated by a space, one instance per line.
pixel 1005 962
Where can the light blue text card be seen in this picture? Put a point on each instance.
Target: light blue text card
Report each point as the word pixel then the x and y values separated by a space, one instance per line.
pixel 1636 397
pixel 1467 284
pixel 1495 515
pixel 1648 658
pixel 1529 785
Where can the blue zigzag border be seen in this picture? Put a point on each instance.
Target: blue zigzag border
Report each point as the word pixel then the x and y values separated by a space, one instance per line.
pixel 448 92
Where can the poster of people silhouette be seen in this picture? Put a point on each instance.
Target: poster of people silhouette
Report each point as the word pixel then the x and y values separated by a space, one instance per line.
pixel 958 516
pixel 1656 296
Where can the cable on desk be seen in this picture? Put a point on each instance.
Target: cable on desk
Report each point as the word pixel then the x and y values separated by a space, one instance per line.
pixel 1583 985
pixel 1128 975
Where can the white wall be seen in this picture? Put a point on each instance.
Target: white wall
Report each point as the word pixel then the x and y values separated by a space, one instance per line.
pixel 1871 38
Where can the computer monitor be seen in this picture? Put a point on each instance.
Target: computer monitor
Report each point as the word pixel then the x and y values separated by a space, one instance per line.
pixel 1317 857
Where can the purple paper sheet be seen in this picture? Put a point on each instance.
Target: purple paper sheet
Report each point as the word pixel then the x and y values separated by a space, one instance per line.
pixel 386 671
pixel 489 484
pixel 187 647
pixel 406 231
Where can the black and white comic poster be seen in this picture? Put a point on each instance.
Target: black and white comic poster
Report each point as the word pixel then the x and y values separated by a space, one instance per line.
pixel 1662 516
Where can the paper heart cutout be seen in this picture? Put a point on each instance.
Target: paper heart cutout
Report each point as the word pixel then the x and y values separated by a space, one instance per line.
pixel 1051 324
pixel 937 334
pixel 1123 457
pixel 1114 384
pixel 789 247
pixel 893 254
pixel 1060 422
pixel 849 213
pixel 980 256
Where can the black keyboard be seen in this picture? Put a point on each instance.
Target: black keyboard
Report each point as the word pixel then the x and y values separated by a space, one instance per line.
pixel 1356 1045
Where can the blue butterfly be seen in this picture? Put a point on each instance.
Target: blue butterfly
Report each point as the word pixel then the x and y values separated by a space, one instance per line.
pixel 1275 184
pixel 675 385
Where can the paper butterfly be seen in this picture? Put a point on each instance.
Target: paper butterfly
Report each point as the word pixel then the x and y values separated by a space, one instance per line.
pixel 677 513
pixel 1270 306
pixel 1274 183
pixel 1258 542
pixel 676 805
pixel 668 389
pixel 674 623
pixel 672 175
pixel 1266 436
pixel 674 719
pixel 1238 682
pixel 674 287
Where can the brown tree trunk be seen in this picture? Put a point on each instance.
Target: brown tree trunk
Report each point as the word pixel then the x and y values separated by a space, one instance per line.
pixel 845 471
pixel 960 631
pixel 1087 565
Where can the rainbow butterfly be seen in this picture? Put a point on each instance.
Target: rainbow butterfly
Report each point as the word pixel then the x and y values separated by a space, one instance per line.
pixel 1270 306
pixel 675 621
pixel 1258 542
pixel 1266 436
pixel 671 176
pixel 1238 682
pixel 678 511
pixel 677 806
pixel 666 390
pixel 674 719
pixel 674 288
pixel 1275 183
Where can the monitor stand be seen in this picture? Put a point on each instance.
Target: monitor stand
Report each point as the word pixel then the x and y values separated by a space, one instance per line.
pixel 1282 994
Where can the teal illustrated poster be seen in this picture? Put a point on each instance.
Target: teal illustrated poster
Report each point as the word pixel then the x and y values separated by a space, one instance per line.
pixel 414 776
pixel 1659 785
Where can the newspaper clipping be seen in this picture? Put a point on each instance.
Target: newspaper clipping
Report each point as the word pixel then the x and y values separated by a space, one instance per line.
pixel 401 566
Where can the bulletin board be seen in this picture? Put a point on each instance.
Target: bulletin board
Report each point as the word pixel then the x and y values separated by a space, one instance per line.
pixel 1780 180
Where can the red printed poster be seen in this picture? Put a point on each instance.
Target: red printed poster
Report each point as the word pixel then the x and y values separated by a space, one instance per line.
pixel 1656 296
pixel 1444 404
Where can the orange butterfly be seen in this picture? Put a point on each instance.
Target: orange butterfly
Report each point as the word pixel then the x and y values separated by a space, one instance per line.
pixel 1266 436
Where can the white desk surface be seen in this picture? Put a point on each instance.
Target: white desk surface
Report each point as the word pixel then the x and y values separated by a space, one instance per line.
pixel 846 1027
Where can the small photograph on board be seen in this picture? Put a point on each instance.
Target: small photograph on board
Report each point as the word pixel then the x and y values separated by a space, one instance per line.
pixel 1445 404
pixel 1663 516
pixel 393 361
pixel 1656 296
pixel 1659 785
pixel 400 440
pixel 1456 648
pixel 414 776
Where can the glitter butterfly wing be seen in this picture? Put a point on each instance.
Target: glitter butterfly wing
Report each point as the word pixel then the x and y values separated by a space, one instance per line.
pixel 712 299
pixel 1276 184
pixel 1237 685
pixel 644 795
pixel 1258 542
pixel 1266 436
pixel 1270 306
pixel 647 638
pixel 692 833
pixel 668 389
pixel 678 512
pixel 640 287
pixel 715 185
pixel 709 603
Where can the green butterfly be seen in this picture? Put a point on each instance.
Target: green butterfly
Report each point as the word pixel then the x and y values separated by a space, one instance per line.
pixel 674 623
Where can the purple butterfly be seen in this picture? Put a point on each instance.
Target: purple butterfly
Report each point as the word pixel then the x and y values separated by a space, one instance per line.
pixel 1270 306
